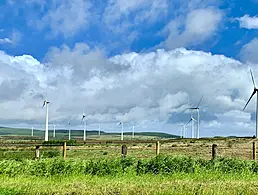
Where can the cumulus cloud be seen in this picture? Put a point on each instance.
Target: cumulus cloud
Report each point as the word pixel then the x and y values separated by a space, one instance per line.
pixel 145 88
pixel 248 51
pixel 64 17
pixel 248 22
pixel 197 27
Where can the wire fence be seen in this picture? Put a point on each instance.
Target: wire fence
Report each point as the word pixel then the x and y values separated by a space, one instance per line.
pixel 241 149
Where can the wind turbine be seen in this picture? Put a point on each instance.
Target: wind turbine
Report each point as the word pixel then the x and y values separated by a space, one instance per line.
pixel 192 120
pixel 32 131
pixel 122 130
pixel 197 108
pixel 54 131
pixel 133 132
pixel 45 103
pixel 183 130
pixel 84 125
pixel 99 130
pixel 254 92
pixel 69 130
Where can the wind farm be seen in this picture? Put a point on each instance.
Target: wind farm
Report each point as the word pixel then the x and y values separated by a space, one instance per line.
pixel 128 97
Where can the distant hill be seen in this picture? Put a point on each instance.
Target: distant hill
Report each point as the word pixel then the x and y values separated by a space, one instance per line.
pixel 5 131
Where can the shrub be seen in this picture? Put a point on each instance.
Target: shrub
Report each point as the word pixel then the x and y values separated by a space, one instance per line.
pixel 158 165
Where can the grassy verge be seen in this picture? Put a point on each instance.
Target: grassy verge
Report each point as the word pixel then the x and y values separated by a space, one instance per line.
pixel 159 175
pixel 179 183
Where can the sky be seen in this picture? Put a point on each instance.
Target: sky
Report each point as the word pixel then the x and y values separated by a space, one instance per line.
pixel 141 62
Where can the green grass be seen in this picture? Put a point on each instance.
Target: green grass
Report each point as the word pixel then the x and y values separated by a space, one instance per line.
pixel 180 183
pixel 62 134
pixel 159 175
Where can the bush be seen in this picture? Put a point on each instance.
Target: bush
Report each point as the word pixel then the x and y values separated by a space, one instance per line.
pixel 158 165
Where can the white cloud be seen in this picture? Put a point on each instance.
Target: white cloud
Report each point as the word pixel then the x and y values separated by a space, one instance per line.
pixel 248 22
pixel 65 17
pixel 197 27
pixel 14 38
pixel 150 87
pixel 248 52
pixel 5 40
pixel 122 14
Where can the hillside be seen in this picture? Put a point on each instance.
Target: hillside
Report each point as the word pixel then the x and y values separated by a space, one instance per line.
pixel 60 133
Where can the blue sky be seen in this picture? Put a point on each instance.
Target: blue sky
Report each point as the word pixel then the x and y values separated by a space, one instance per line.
pixel 24 19
pixel 138 61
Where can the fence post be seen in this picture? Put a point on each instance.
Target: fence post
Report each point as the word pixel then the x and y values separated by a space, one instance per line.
pixel 124 150
pixel 37 152
pixel 254 150
pixel 157 148
pixel 214 151
pixel 64 150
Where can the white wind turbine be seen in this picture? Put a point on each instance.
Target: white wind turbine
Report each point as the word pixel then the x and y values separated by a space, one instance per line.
pixel 46 102
pixel 122 130
pixel 69 130
pixel 133 132
pixel 54 131
pixel 192 120
pixel 183 131
pixel 197 108
pixel 32 131
pixel 84 125
pixel 254 92
pixel 99 130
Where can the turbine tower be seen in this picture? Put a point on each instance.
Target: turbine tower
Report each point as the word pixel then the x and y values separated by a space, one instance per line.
pixel 254 92
pixel 133 132
pixel 197 108
pixel 183 130
pixel 69 130
pixel 192 124
pixel 122 130
pixel 46 131
pixel 84 125
pixel 54 131
pixel 99 130
pixel 32 131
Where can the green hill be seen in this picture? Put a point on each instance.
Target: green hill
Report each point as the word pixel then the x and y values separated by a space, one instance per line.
pixel 61 133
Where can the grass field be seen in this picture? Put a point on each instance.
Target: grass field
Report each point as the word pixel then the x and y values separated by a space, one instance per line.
pixel 129 184
pixel 188 176
pixel 96 166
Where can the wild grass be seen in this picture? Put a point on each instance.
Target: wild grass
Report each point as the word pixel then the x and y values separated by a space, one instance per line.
pixel 159 175
pixel 165 165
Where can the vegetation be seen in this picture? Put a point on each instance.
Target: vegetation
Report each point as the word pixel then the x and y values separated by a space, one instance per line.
pixel 158 165
pixel 63 133
pixel 159 175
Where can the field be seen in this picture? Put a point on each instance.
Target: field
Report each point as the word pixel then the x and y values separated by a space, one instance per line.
pixel 184 166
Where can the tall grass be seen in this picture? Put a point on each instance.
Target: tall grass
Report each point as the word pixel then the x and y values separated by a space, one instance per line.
pixel 158 165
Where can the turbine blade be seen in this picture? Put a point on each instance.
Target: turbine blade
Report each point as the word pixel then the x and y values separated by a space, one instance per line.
pixel 199 102
pixel 249 99
pixel 252 77
pixel 189 121
pixel 44 104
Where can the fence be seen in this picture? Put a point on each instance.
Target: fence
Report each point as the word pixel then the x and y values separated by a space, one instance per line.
pixel 208 149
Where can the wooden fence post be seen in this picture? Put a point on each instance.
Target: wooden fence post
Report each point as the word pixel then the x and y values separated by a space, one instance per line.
pixel 37 152
pixel 64 150
pixel 254 150
pixel 124 150
pixel 157 148
pixel 214 151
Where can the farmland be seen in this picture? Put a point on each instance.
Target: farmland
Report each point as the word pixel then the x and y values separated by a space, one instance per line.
pixel 184 166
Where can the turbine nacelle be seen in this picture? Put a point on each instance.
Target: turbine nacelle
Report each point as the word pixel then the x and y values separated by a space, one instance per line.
pixel 45 103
